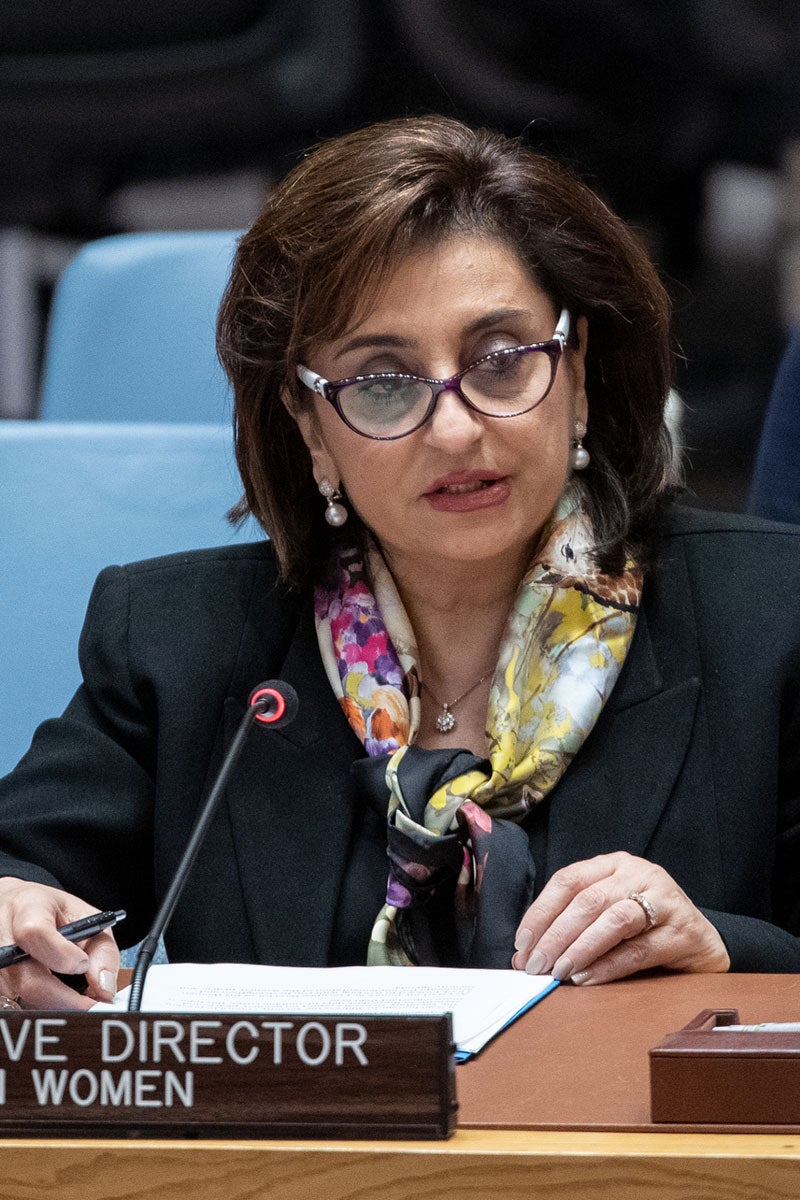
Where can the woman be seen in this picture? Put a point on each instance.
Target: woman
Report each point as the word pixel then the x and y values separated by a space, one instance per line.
pixel 556 703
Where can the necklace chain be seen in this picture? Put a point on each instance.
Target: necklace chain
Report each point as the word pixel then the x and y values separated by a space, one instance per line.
pixel 446 722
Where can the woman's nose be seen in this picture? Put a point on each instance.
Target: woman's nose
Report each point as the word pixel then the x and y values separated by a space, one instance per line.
pixel 454 425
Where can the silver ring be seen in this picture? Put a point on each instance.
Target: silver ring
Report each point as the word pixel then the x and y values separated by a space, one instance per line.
pixel 8 1003
pixel 647 909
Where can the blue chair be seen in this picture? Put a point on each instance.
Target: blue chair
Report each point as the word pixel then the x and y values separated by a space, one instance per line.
pixel 131 334
pixel 775 484
pixel 74 498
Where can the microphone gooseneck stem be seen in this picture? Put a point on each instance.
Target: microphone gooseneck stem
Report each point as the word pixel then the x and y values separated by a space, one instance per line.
pixel 150 942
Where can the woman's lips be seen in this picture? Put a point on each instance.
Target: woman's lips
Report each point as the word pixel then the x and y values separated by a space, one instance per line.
pixel 468 491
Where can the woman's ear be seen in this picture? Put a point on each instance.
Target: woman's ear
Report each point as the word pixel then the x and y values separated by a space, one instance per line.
pixel 577 367
pixel 307 421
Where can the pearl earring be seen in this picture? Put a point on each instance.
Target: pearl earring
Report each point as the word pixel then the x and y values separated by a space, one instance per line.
pixel 335 514
pixel 579 455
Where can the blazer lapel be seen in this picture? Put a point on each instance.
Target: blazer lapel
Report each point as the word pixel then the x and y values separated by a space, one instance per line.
pixel 615 792
pixel 291 804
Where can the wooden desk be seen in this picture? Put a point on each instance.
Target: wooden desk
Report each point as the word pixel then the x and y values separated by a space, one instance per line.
pixel 577 1060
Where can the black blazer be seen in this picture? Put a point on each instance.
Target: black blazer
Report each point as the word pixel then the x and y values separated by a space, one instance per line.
pixel 694 763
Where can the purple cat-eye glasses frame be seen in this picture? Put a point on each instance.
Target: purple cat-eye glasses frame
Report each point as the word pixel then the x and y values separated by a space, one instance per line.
pixel 330 389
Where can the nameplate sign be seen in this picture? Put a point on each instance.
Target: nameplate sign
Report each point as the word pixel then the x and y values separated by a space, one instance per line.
pixel 242 1075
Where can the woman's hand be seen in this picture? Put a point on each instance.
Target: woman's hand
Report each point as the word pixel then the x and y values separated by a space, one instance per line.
pixel 30 914
pixel 586 927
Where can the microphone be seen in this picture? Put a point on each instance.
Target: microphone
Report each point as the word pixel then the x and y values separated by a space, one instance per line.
pixel 272 703
pixel 275 703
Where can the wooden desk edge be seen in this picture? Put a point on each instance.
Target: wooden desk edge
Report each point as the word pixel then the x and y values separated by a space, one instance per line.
pixel 510 1142
pixel 483 1163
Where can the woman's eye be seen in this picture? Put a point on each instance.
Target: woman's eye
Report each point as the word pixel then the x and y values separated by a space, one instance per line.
pixel 385 388
pixel 499 365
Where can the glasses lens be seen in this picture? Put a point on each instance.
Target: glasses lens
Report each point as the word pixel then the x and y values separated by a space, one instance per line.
pixel 509 381
pixel 385 406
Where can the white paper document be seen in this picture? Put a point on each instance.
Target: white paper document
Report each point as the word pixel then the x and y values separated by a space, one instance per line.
pixel 482 1002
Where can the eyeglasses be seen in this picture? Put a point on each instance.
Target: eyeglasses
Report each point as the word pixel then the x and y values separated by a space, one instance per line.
pixel 506 383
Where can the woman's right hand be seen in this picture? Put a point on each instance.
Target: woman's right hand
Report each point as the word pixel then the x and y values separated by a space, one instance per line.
pixel 30 915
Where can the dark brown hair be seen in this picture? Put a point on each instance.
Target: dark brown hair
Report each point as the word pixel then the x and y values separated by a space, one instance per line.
pixel 330 234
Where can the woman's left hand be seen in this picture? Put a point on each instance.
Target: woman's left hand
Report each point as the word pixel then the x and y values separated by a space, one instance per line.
pixel 586 927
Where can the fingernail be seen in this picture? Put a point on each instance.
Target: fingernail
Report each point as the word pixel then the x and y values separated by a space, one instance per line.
pixel 536 963
pixel 581 977
pixel 563 969
pixel 523 939
pixel 108 982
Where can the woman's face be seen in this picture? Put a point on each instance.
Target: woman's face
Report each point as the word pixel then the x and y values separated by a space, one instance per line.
pixel 463 488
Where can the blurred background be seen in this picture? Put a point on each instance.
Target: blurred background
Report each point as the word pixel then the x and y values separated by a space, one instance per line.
pixel 178 115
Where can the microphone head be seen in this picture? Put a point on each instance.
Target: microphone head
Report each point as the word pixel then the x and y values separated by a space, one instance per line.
pixel 275 702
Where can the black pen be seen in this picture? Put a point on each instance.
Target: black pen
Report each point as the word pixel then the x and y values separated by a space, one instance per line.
pixel 76 931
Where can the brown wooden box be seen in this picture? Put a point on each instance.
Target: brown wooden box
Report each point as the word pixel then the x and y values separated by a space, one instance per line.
pixel 701 1075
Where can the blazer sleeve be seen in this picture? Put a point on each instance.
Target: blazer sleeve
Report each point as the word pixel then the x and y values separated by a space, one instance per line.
pixel 77 812
pixel 755 945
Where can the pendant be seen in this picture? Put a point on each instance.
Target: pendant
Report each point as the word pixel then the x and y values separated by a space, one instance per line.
pixel 445 720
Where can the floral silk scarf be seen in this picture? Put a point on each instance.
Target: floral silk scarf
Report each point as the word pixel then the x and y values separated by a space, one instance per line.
pixel 455 846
